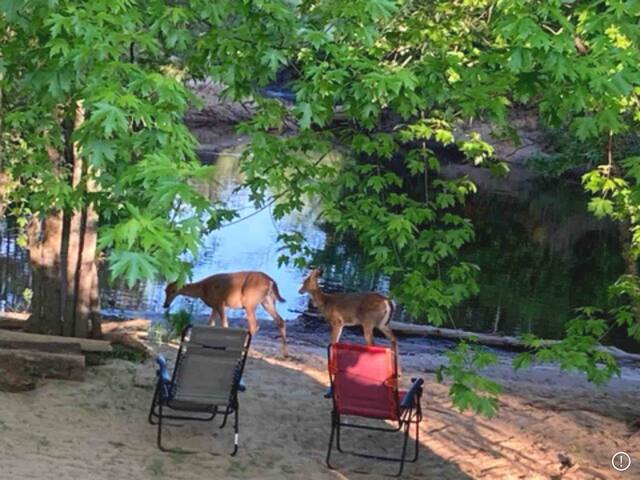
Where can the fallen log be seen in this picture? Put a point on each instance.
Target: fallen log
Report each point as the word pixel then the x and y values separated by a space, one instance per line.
pixel 52 347
pixel 457 334
pixel 493 340
pixel 621 354
pixel 13 320
pixel 135 325
pixel 127 340
pixel 499 341
pixel 86 344
pixel 20 369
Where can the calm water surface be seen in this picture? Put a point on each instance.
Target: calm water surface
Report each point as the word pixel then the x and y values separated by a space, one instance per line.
pixel 540 253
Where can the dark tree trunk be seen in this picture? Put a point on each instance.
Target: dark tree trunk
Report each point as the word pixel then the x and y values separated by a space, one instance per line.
pixel 82 302
pixel 630 263
pixel 65 276
pixel 45 241
pixel 4 190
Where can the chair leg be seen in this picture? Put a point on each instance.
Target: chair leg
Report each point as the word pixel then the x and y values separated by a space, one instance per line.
pixel 160 427
pixel 236 430
pixel 404 449
pixel 153 405
pixel 417 444
pixel 338 431
pixel 334 423
pixel 224 420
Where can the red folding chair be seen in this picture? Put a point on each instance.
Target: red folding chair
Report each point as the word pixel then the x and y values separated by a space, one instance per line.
pixel 364 383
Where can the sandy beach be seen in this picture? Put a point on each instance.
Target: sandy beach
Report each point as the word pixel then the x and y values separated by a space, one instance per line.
pixel 97 429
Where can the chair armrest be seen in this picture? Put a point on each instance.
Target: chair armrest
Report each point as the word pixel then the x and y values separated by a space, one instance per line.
pixel 414 392
pixel 163 372
pixel 328 393
pixel 242 387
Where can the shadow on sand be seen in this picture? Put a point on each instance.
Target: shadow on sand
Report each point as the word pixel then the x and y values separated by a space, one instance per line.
pixel 285 425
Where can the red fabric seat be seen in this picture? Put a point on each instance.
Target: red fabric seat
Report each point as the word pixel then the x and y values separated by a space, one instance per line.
pixel 365 381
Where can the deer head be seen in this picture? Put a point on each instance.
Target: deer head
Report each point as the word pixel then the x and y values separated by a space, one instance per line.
pixel 311 282
pixel 170 293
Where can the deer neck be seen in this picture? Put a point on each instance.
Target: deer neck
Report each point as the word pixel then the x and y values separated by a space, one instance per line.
pixel 193 290
pixel 319 298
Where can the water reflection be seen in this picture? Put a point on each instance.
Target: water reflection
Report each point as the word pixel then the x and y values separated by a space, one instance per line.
pixel 249 244
pixel 15 273
pixel 540 256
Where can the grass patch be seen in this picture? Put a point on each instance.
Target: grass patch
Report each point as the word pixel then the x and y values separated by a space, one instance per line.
pixel 156 468
pixel 119 352
pixel 178 321
pixel 125 353
pixel 237 467
pixel 43 443
pixel 177 456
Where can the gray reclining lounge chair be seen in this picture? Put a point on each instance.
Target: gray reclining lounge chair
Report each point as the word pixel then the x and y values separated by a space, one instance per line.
pixel 205 380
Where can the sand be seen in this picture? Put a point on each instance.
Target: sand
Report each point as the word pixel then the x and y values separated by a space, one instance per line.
pixel 97 429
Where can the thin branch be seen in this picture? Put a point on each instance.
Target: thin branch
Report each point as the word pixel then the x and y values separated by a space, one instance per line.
pixel 273 200
pixel 253 214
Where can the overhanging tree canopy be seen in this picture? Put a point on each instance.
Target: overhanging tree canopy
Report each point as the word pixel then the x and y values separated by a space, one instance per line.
pixel 92 131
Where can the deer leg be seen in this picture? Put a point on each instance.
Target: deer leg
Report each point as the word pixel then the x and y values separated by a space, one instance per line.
pixel 368 334
pixel 223 316
pixel 336 332
pixel 217 310
pixel 251 319
pixel 270 307
pixel 387 332
pixel 212 317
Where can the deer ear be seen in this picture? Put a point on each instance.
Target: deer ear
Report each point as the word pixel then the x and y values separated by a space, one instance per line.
pixel 319 271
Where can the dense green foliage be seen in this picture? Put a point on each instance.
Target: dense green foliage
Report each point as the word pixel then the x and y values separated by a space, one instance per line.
pixel 113 59
pixel 386 83
pixel 469 389
pixel 580 63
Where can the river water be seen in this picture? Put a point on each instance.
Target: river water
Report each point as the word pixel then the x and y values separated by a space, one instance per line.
pixel 540 253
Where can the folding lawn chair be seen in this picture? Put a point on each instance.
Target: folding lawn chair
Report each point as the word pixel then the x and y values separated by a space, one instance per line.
pixel 364 383
pixel 206 377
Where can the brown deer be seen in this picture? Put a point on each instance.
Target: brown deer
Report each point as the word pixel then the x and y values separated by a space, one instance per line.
pixel 368 309
pixel 235 290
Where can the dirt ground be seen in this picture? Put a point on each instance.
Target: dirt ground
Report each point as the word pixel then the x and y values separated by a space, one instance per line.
pixel 97 429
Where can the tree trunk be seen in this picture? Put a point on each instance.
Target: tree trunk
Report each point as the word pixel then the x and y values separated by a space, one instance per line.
pixel 70 262
pixel 82 301
pixel 4 190
pixel 45 241
pixel 630 263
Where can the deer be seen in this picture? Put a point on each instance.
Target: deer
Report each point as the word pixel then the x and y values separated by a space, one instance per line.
pixel 368 309
pixel 244 290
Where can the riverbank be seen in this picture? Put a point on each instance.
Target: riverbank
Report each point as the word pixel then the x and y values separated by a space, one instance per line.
pixel 550 425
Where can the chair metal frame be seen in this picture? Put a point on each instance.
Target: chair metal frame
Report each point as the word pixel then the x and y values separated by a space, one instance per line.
pixel 409 412
pixel 166 386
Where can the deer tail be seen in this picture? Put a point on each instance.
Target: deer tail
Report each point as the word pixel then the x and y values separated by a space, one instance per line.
pixel 392 307
pixel 276 292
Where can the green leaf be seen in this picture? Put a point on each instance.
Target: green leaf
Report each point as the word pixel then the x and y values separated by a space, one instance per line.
pixel 305 113
pixel 133 266
pixel 601 207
